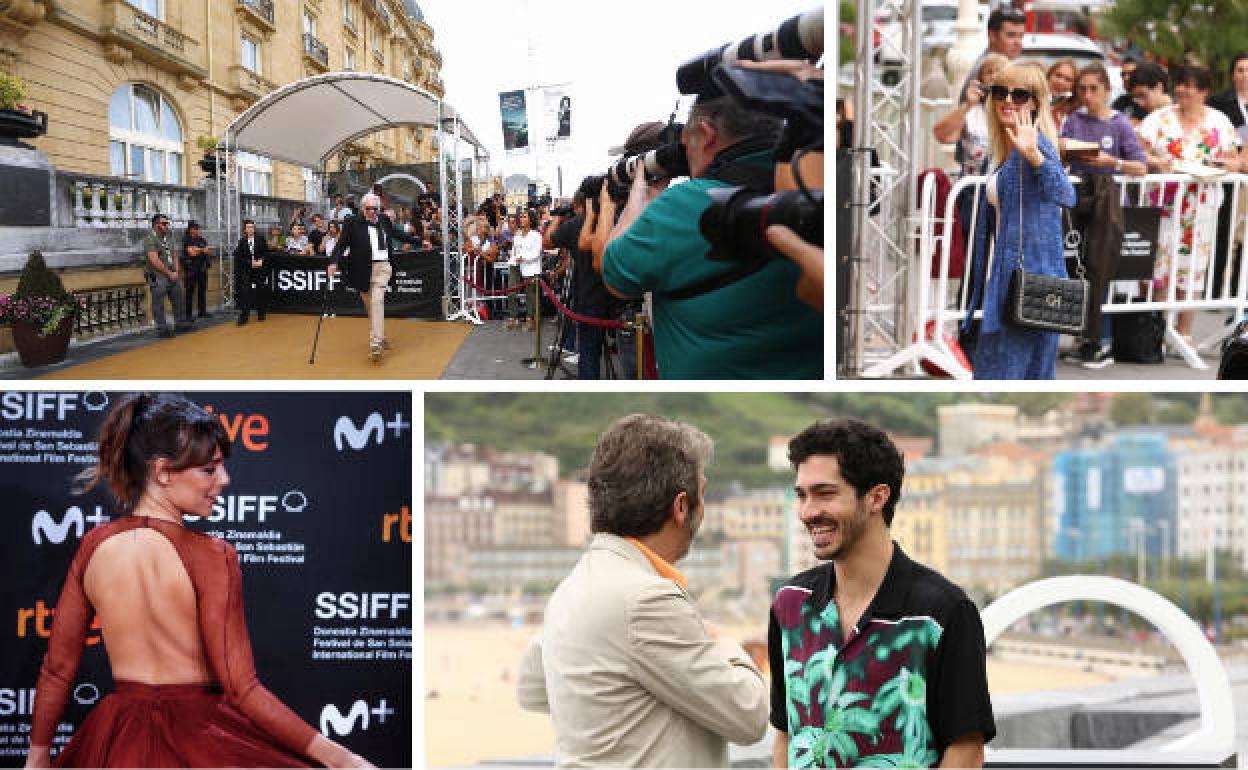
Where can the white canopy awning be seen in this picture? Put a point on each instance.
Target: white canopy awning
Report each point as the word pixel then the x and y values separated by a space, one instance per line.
pixel 307 121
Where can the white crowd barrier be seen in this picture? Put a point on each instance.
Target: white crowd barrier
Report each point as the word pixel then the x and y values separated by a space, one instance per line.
pixel 939 302
pixel 489 278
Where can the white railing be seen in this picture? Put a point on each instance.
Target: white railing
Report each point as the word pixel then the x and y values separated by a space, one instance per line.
pixel 113 202
pixel 933 302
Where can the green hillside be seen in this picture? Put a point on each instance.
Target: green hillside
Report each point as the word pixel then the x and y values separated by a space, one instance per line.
pixel 567 424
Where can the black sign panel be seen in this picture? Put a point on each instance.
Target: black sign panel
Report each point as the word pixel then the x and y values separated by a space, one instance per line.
pixel 319 510
pixel 1141 226
pixel 415 289
pixel 25 197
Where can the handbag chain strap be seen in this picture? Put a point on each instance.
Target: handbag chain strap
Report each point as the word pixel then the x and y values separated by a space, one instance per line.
pixel 1081 272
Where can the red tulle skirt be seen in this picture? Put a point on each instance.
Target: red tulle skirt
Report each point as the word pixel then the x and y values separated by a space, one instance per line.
pixel 171 725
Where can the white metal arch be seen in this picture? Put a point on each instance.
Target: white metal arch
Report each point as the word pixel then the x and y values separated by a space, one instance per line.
pixel 1216 736
pixel 408 177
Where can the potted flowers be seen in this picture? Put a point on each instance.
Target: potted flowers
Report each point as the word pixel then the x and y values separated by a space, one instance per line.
pixel 208 146
pixel 17 120
pixel 41 313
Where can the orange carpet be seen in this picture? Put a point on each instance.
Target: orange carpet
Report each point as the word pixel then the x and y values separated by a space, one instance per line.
pixel 278 349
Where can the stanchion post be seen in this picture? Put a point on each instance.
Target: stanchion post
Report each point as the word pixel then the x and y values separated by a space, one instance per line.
pixel 639 322
pixel 537 321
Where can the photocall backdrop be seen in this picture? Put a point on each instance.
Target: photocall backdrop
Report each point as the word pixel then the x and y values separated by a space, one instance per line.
pixel 415 289
pixel 319 509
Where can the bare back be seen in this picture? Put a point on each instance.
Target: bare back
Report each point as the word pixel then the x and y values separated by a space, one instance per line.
pixel 147 609
pixel 170 602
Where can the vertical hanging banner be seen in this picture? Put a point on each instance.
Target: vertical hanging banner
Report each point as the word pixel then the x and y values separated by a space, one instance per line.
pixel 511 105
pixel 559 116
pixel 319 512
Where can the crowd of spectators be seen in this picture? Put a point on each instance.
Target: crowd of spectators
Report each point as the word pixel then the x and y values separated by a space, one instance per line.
pixel 1167 120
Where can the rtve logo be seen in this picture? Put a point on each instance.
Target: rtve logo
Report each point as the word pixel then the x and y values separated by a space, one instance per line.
pixel 402 519
pixel 331 717
pixel 250 430
pixel 373 430
pixel 306 280
pixel 353 606
pixel 38 619
pixel 43 406
pixel 45 528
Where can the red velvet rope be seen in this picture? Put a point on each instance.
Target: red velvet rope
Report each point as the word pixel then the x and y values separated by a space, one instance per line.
pixel 584 319
pixel 497 292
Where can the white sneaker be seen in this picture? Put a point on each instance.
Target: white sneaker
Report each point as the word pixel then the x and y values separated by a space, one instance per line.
pixel 1102 357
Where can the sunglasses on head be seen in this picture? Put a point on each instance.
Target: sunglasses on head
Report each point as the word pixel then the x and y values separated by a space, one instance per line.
pixel 1018 95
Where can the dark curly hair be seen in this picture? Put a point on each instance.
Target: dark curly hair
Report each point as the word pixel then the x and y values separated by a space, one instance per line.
pixel 866 455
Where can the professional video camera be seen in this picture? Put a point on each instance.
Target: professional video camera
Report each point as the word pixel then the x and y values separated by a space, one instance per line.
pixel 735 222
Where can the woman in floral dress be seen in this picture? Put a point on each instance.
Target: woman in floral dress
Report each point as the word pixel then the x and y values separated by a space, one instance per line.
pixel 1191 132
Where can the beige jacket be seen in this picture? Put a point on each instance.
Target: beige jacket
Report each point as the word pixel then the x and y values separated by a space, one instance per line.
pixel 625 668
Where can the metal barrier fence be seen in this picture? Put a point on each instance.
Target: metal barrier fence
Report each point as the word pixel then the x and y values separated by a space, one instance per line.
pixel 937 310
pixel 490 279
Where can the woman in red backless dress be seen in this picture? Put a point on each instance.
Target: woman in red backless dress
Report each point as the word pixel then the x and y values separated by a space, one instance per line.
pixel 170 606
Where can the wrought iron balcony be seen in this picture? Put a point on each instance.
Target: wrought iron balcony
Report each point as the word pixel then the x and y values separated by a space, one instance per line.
pixel 314 49
pixel 262 9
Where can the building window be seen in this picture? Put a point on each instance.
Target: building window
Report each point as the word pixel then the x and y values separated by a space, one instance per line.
pixel 348 13
pixel 251 54
pixel 145 136
pixel 256 174
pixel 309 24
pixel 348 60
pixel 150 7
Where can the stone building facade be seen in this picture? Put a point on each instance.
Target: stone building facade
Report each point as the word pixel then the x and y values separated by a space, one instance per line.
pixel 192 66
pixel 134 89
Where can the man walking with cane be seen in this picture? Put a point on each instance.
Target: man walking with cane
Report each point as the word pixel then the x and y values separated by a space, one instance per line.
pixel 365 249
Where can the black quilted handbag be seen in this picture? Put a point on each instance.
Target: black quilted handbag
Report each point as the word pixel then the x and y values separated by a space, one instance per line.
pixel 1045 302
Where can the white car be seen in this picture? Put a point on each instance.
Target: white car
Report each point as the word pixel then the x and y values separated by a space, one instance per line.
pixel 1049 48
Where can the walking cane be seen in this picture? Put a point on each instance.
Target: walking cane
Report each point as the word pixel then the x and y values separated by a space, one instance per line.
pixel 324 312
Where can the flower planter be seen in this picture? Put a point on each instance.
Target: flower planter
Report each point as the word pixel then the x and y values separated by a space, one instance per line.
pixel 35 350
pixel 15 125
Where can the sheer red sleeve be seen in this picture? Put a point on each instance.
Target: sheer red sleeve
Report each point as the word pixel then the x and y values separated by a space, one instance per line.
pixel 65 646
pixel 228 646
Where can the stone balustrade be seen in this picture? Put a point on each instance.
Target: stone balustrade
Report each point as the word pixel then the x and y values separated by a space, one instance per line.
pixel 114 202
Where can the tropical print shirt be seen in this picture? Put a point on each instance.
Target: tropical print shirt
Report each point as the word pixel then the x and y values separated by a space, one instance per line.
pixel 908 681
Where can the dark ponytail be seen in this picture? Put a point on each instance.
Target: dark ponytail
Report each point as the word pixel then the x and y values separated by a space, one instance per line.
pixel 143 427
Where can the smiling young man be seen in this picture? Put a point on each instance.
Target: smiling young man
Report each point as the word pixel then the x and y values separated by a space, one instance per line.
pixel 874 657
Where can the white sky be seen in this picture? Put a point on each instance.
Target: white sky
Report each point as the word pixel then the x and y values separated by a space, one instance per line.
pixel 620 60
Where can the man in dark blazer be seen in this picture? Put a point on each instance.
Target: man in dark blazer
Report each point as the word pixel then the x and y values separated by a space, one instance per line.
pixel 363 253
pixel 251 273
pixel 1233 102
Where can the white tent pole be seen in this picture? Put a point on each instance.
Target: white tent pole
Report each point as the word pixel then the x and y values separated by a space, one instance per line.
pixel 459 219
pixel 449 277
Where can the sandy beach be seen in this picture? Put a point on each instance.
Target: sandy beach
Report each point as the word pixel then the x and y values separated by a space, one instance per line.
pixel 470 705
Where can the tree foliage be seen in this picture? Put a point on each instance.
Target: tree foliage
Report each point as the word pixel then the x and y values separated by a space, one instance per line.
pixel 1212 31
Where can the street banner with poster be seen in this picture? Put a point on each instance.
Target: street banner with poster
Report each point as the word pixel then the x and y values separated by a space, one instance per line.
pixel 558 116
pixel 511 105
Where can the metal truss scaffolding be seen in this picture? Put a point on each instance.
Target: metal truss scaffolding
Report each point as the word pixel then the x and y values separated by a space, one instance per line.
pixel 886 150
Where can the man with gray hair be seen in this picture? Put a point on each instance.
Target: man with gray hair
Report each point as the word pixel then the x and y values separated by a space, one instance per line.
pixel 628 670
pixel 716 315
pixel 365 247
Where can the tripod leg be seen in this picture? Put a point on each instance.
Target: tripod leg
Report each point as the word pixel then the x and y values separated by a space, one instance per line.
pixel 557 355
